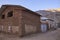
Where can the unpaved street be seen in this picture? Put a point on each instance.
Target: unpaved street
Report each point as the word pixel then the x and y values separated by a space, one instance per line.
pixel 51 35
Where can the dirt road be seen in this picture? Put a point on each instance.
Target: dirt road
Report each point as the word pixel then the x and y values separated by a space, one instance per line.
pixel 51 35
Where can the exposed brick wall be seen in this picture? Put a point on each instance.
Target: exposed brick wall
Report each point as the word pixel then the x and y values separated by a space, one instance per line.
pixel 9 21
pixel 20 21
pixel 31 20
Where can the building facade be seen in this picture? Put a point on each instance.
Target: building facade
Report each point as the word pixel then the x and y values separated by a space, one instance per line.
pixel 18 20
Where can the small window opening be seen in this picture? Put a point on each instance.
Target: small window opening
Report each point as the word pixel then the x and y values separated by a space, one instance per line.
pixel 3 16
pixel 10 14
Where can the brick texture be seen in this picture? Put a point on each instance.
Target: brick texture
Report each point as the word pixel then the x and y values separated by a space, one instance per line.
pixel 22 22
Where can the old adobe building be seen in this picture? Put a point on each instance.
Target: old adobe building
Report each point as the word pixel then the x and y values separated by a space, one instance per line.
pixel 18 20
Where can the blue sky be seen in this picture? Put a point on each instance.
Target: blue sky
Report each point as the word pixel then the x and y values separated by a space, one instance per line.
pixel 34 5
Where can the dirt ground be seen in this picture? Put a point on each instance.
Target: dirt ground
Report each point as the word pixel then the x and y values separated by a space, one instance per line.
pixel 51 35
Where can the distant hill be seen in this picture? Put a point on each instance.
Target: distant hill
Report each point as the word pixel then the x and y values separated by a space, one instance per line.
pixel 48 11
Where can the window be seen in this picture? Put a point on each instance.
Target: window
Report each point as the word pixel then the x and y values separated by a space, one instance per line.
pixel 10 14
pixel 3 16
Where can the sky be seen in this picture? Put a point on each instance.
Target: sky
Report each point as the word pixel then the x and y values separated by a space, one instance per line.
pixel 33 5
